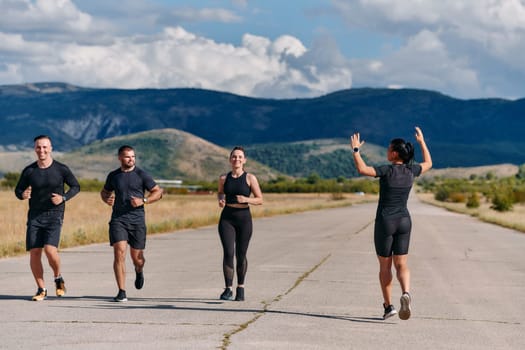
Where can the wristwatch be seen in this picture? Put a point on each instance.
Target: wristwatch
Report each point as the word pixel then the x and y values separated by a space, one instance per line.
pixel 145 200
pixel 356 149
pixel 64 198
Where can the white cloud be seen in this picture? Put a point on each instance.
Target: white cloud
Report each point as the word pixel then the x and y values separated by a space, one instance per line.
pixel 48 15
pixel 461 46
pixel 422 62
pixel 465 48
pixel 288 45
pixel 176 58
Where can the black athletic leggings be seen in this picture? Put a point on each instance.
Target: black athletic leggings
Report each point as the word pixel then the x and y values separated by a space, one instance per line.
pixel 392 236
pixel 235 230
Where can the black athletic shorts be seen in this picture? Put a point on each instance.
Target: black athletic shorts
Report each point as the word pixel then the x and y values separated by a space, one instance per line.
pixel 392 236
pixel 43 229
pixel 133 233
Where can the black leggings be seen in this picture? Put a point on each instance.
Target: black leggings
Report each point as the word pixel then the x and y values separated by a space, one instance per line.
pixel 235 231
pixel 392 236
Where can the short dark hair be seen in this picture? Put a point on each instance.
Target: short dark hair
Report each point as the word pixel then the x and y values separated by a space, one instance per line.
pixel 124 148
pixel 40 137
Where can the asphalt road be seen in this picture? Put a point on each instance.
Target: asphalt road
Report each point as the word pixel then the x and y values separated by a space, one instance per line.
pixel 312 284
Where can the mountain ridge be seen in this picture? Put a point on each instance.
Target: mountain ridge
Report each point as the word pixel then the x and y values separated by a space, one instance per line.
pixel 459 132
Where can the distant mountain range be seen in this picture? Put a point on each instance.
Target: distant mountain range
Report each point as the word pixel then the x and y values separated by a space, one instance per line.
pixel 459 132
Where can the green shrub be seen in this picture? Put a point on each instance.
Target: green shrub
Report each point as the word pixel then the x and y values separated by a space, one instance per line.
pixel 10 180
pixel 441 194
pixel 502 201
pixel 473 200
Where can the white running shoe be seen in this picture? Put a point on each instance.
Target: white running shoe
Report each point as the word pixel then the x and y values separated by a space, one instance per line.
pixel 404 312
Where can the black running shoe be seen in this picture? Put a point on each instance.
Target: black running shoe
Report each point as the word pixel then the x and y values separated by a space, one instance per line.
pixel 121 296
pixel 40 295
pixel 239 295
pixel 404 312
pixel 139 280
pixel 227 294
pixel 390 311
pixel 60 286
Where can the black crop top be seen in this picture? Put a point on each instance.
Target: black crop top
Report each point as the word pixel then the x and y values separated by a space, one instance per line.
pixel 235 186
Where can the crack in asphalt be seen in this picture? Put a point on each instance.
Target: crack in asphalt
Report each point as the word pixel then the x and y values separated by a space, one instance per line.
pixel 226 341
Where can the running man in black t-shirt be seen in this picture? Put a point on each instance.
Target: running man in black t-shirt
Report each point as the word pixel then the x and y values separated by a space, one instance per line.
pixel 392 223
pixel 124 190
pixel 42 183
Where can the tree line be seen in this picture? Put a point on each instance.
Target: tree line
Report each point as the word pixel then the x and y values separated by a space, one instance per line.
pixel 503 193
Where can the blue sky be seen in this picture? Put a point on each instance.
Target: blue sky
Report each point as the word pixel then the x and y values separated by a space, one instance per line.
pixel 268 48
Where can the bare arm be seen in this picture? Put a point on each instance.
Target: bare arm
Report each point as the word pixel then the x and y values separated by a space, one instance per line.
pixel 155 194
pixel 221 198
pixel 360 164
pixel 427 159
pixel 257 198
pixel 107 197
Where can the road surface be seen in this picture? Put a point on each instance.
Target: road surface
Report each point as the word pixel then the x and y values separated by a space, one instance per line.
pixel 311 284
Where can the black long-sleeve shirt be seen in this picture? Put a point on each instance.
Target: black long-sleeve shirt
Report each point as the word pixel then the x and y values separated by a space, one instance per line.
pixel 43 183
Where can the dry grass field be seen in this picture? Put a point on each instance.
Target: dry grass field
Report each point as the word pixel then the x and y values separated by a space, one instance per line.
pixel 86 218
pixel 514 219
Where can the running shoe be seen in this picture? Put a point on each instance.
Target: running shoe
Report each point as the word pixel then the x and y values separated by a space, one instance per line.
pixel 239 295
pixel 404 312
pixel 121 296
pixel 40 295
pixel 60 286
pixel 227 294
pixel 390 311
pixel 139 279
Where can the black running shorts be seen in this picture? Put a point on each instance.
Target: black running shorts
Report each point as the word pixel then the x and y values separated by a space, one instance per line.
pixel 44 229
pixel 133 233
pixel 392 236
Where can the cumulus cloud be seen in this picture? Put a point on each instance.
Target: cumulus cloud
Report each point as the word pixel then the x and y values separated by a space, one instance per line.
pixel 422 61
pixel 458 45
pixel 466 48
pixel 42 14
pixel 175 57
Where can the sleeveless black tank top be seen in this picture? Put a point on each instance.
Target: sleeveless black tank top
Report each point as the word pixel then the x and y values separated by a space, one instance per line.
pixel 235 186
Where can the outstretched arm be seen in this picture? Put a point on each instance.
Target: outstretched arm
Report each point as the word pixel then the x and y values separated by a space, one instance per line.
pixel 360 164
pixel 427 159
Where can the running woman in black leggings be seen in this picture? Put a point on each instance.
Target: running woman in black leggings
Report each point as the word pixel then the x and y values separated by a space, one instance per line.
pixel 235 225
pixel 392 223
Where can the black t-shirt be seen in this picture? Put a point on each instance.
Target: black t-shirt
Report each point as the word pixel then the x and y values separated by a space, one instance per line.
pixel 44 182
pixel 126 185
pixel 395 183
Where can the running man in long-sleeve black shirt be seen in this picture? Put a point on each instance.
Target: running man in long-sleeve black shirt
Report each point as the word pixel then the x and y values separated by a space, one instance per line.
pixel 42 183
